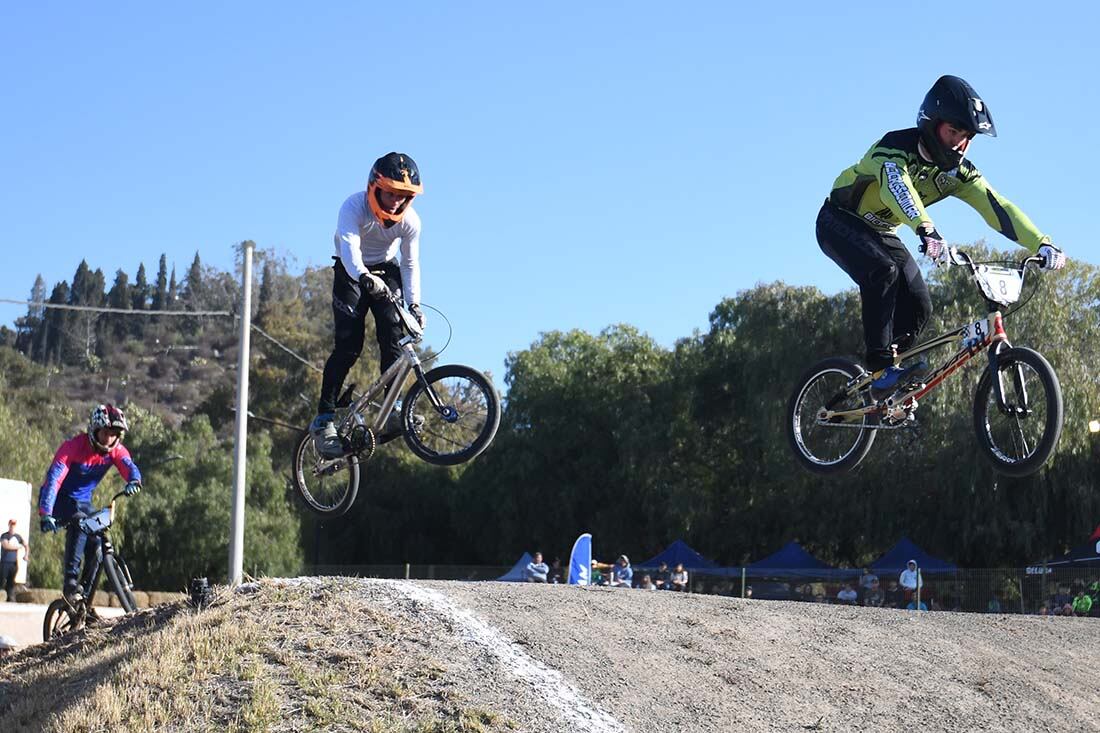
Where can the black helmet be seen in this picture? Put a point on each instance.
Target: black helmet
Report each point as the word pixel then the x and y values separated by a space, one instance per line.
pixel 398 174
pixel 954 101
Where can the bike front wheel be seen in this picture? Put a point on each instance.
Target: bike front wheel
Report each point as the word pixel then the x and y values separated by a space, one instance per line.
pixel 835 447
pixel 327 487
pixel 119 578
pixel 1019 437
pixel 61 620
pixel 451 415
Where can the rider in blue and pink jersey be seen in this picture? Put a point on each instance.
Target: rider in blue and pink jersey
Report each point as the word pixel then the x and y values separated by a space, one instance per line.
pixel 66 495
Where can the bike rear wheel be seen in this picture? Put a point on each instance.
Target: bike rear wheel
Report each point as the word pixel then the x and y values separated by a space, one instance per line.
pixel 60 620
pixel 1021 438
pixel 464 424
pixel 327 487
pixel 828 449
pixel 119 578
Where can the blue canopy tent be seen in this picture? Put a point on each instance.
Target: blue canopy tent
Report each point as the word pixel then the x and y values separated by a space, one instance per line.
pixel 1086 555
pixel 679 552
pixel 897 557
pixel 792 561
pixel 517 574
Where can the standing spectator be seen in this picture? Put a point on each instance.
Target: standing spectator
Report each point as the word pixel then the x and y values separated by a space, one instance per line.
pixel 894 598
pixel 1082 604
pixel 556 572
pixel 1061 598
pixel 10 544
pixel 663 580
pixel 647 583
pixel 680 578
pixel 536 570
pixel 910 579
pixel 847 595
pixel 622 575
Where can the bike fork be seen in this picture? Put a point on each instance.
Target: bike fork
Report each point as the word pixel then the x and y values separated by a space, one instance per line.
pixel 1020 407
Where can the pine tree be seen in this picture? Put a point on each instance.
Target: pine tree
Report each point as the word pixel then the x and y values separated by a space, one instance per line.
pixel 193 286
pixel 267 285
pixel 30 332
pixel 121 297
pixel 56 340
pixel 139 296
pixel 160 294
pixel 173 291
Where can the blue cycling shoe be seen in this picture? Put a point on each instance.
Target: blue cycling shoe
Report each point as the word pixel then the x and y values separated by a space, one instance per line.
pixel 893 377
pixel 325 438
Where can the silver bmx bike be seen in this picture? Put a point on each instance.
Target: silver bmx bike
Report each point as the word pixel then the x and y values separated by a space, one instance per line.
pixel 448 416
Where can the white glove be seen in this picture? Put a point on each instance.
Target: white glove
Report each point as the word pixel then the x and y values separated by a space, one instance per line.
pixel 1053 258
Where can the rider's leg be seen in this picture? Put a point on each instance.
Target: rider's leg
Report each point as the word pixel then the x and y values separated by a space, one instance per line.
pixel 69 513
pixel 913 306
pixel 92 558
pixel 389 335
pixel 866 256
pixel 349 320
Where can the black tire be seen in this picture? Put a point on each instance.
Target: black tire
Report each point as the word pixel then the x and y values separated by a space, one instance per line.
pixel 827 449
pixel 60 620
pixel 1019 445
pixel 119 578
pixel 466 425
pixel 331 492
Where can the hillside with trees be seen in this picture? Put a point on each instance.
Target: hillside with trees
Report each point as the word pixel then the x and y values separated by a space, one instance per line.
pixel 610 433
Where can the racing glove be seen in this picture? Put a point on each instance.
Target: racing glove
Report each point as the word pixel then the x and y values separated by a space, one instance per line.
pixel 47 523
pixel 932 245
pixel 373 286
pixel 418 314
pixel 1053 258
pixel 132 488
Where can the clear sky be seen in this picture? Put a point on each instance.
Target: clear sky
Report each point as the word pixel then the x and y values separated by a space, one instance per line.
pixel 584 163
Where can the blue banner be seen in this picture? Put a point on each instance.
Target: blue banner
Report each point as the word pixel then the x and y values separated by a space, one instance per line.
pixel 580 561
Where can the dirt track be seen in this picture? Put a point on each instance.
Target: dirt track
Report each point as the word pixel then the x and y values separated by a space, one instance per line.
pixel 663 661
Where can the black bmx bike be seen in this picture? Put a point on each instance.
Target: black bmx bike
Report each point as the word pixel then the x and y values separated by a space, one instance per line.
pixel 833 417
pixel 67 615
pixel 449 415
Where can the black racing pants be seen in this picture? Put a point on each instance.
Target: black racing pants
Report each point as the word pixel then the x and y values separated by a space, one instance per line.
pixel 896 303
pixel 349 311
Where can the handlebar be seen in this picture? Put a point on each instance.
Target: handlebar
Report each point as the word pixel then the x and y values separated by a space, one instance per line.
pixel 956 256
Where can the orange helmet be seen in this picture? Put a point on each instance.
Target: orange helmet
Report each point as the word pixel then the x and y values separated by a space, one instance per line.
pixel 398 174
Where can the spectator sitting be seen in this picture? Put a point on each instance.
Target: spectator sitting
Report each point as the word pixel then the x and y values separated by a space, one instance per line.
pixel 598 578
pixel 893 597
pixel 680 578
pixel 1082 604
pixel 556 572
pixel 647 583
pixel 748 591
pixel 994 605
pixel 663 579
pixel 872 595
pixel 536 570
pixel 847 595
pixel 912 606
pixel 866 581
pixel 1043 610
pixel 622 575
pixel 1061 597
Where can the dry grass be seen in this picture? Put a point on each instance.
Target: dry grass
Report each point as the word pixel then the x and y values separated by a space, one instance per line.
pixel 286 658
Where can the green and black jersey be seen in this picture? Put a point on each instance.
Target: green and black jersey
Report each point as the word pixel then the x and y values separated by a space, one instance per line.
pixel 893 185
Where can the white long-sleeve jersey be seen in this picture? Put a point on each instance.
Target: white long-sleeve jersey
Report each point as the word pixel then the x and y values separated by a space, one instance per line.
pixel 361 241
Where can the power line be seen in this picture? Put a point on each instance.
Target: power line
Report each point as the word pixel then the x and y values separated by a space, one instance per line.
pixel 286 348
pixel 101 309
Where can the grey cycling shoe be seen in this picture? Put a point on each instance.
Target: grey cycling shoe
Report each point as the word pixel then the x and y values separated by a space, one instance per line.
pixel 325 438
pixel 394 426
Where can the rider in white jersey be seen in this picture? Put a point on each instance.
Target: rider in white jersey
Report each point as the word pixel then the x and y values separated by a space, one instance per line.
pixel 373 227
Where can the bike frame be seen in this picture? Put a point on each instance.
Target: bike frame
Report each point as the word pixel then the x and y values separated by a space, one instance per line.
pixel 105 549
pixel 994 341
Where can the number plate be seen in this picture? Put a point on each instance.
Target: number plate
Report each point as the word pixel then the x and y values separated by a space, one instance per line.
pixel 975 334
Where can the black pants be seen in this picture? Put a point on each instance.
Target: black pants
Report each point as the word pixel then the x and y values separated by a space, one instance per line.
pixel 896 303
pixel 7 579
pixel 349 312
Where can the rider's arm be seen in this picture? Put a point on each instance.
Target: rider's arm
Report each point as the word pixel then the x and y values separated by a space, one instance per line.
pixel 55 474
pixel 125 465
pixel 410 257
pixel 347 235
pixel 1000 213
pixel 897 192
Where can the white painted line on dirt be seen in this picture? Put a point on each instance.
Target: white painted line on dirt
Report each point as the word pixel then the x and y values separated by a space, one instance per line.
pixel 582 715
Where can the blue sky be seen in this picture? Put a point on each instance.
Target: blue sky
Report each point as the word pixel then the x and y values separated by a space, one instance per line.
pixel 584 163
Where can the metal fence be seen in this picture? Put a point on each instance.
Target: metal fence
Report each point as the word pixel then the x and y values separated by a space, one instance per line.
pixel 984 590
